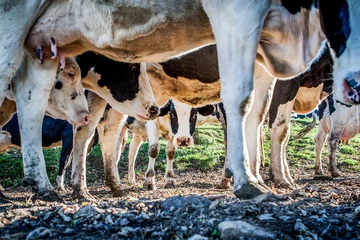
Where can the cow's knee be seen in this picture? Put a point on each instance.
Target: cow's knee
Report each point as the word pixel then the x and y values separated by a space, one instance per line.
pixel 154 150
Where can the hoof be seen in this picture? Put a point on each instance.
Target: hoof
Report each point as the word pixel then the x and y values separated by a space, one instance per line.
pixel 335 174
pixel 283 185
pixel 250 190
pixel 319 172
pixel 83 196
pixel 149 186
pixel 224 184
pixel 132 183
pixel 47 196
pixel 118 193
pixel 170 184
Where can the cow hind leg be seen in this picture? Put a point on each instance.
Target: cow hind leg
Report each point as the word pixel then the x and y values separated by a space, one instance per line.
pixel 154 149
pixel 133 151
pixel 31 87
pixel 111 139
pixel 333 140
pixel 170 181
pixel 236 65
pixel 319 143
pixel 82 138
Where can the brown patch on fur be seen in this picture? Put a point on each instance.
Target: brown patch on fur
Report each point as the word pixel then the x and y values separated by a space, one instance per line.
pixel 169 174
pixel 154 150
pixel 245 105
pixel 150 173
pixel 283 134
pixel 170 154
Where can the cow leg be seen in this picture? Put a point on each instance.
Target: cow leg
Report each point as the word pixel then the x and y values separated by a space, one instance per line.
pixel 170 181
pixel 109 130
pixel 285 162
pixel 31 87
pixel 236 53
pixel 264 84
pixel 133 151
pixel 154 148
pixel 226 174
pixel 319 143
pixel 82 138
pixel 16 18
pixel 279 129
pixel 65 159
pixel 333 140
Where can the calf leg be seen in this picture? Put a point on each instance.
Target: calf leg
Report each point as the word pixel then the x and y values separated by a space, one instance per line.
pixel 133 151
pixel 319 143
pixel 284 160
pixel 82 139
pixel 109 129
pixel 279 128
pixel 154 148
pixel 236 65
pixel 170 181
pixel 32 87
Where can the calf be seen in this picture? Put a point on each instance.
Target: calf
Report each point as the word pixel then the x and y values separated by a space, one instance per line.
pixel 126 89
pixel 339 120
pixel 176 124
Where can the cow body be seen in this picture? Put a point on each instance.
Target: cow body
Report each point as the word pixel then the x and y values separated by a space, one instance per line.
pixel 176 125
pixel 342 123
pixel 284 36
pixel 301 95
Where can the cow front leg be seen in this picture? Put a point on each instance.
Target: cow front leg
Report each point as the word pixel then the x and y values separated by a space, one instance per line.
pixel 285 162
pixel 31 86
pixel 333 141
pixel 279 128
pixel 82 139
pixel 111 139
pixel 237 26
pixel 264 85
pixel 319 144
pixel 133 151
pixel 170 181
pixel 154 148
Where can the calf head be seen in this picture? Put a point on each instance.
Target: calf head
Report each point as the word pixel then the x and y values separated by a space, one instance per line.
pixel 340 20
pixel 183 120
pixel 124 86
pixel 67 99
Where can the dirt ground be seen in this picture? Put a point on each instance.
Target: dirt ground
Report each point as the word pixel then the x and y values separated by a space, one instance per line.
pixel 318 209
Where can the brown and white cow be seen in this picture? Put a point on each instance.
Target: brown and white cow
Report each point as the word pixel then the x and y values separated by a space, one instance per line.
pixel 176 124
pixel 282 35
pixel 339 120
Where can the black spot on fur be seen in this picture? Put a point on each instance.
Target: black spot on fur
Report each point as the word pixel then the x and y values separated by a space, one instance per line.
pixel 74 94
pixel 122 79
pixel 335 23
pixel 130 120
pixel 58 85
pixel 321 108
pixel 200 65
pixel 294 6
pixel 165 109
pixel 285 91
pixel 29 95
pixel 173 119
pixel 192 121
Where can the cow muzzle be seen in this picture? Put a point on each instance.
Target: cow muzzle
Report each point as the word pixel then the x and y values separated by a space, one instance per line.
pixel 80 119
pixel 183 141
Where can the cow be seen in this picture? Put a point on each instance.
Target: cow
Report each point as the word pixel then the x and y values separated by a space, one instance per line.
pixel 301 95
pixel 338 122
pixel 176 124
pixel 282 35
pixel 113 85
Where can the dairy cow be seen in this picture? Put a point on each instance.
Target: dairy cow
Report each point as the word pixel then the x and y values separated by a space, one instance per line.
pixel 176 124
pixel 283 35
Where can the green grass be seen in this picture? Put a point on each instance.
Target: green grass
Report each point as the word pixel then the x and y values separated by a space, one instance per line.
pixel 208 154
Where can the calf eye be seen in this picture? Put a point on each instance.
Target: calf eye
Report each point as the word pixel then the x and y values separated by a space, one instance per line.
pixel 71 75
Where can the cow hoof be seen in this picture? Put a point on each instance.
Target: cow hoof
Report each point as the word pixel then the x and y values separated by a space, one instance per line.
pixel 169 185
pixel 118 193
pixel 47 196
pixel 283 185
pixel 250 190
pixel 319 172
pixel 83 196
pixel 335 174
pixel 149 186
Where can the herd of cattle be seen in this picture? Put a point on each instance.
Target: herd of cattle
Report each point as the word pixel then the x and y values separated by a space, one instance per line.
pixel 257 42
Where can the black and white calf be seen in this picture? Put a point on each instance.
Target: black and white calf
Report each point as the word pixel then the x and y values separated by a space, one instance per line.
pixel 176 124
pixel 342 122
pixel 128 92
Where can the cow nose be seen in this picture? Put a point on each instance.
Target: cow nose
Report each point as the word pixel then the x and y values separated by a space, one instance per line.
pixel 86 119
pixel 153 112
pixel 183 142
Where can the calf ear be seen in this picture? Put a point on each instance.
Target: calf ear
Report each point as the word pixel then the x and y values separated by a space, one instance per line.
pixel 206 110
pixel 165 109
